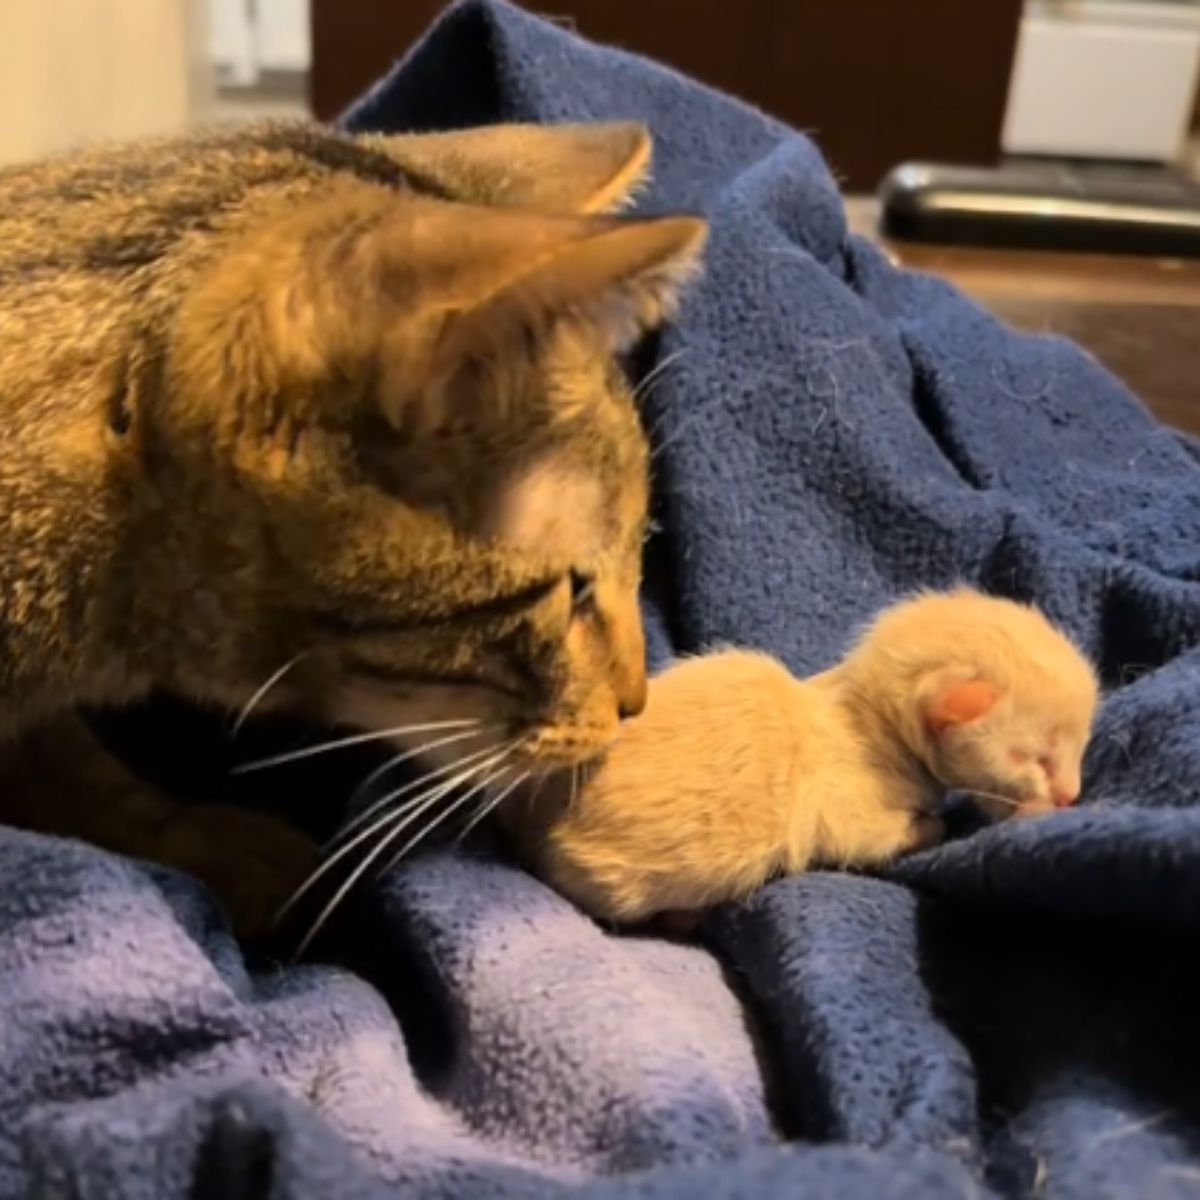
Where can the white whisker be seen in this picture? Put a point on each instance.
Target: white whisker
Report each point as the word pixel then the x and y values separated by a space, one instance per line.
pixel 490 805
pixel 441 817
pixel 405 755
pixel 388 801
pixel 263 689
pixel 674 434
pixel 647 381
pixel 992 796
pixel 537 788
pixel 356 739
pixel 329 863
pixel 387 840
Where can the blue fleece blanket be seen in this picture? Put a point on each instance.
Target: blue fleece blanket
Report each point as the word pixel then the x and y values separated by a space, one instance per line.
pixel 1013 1014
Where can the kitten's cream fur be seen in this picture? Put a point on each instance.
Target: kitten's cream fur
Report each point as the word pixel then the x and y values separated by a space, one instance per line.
pixel 737 771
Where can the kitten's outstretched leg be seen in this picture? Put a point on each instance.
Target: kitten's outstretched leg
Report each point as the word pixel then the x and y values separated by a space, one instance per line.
pixel 59 779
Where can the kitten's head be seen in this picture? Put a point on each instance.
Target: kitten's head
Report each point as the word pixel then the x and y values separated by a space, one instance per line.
pixel 990 695
pixel 394 446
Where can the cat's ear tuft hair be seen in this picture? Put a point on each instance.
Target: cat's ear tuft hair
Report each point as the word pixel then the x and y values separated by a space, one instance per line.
pixel 953 704
pixel 525 273
pixel 553 168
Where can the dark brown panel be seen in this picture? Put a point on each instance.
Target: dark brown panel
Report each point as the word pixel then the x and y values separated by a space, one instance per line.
pixel 354 42
pixel 875 81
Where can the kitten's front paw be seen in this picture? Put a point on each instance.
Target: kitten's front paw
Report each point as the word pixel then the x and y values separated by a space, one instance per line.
pixel 250 861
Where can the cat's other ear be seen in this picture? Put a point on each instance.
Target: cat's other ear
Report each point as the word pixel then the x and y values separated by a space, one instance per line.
pixel 951 704
pixel 554 168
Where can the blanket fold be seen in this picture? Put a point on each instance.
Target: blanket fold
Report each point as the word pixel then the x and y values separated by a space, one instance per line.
pixel 1011 1014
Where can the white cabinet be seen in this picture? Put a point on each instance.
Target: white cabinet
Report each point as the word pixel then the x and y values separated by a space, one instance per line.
pixel 251 36
pixel 1103 79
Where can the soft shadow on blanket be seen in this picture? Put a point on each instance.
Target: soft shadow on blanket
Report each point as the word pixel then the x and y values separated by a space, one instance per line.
pixel 1012 1014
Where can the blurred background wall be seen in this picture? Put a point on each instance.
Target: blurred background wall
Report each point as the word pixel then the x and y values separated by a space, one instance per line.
pixel 874 81
pixel 77 70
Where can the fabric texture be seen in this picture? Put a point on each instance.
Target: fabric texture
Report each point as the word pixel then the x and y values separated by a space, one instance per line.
pixel 1010 1015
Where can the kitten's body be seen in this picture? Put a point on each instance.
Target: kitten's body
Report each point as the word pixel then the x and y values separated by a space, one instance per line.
pixel 737 771
pixel 280 396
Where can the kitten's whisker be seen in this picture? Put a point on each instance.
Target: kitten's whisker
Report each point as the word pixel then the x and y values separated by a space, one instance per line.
pixel 389 800
pixel 356 739
pixel 490 805
pixel 261 692
pixel 405 755
pixel 992 796
pixel 384 842
pixel 327 865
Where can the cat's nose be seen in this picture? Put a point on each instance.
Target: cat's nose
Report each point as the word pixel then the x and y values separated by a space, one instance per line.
pixel 631 701
pixel 632 696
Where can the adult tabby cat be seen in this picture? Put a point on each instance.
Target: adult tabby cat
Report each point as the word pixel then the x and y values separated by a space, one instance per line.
pixel 277 396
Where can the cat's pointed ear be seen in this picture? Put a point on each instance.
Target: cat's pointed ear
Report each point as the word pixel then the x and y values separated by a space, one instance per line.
pixel 374 294
pixel 554 168
pixel 950 704
pixel 520 273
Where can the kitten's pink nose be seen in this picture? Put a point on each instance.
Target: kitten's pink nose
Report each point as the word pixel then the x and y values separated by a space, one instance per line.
pixel 1064 797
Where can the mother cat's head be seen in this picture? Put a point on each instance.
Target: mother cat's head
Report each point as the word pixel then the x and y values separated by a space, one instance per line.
pixel 385 439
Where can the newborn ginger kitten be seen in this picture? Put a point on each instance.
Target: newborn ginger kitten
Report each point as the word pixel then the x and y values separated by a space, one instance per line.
pixel 737 771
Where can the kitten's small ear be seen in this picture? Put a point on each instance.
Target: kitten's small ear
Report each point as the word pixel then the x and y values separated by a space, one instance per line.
pixel 961 702
pixel 553 168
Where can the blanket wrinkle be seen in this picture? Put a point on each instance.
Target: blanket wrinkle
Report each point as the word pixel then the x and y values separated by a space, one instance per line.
pixel 1009 1015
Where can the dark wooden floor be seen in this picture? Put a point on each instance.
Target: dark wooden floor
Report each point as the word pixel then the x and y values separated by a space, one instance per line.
pixel 1140 317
